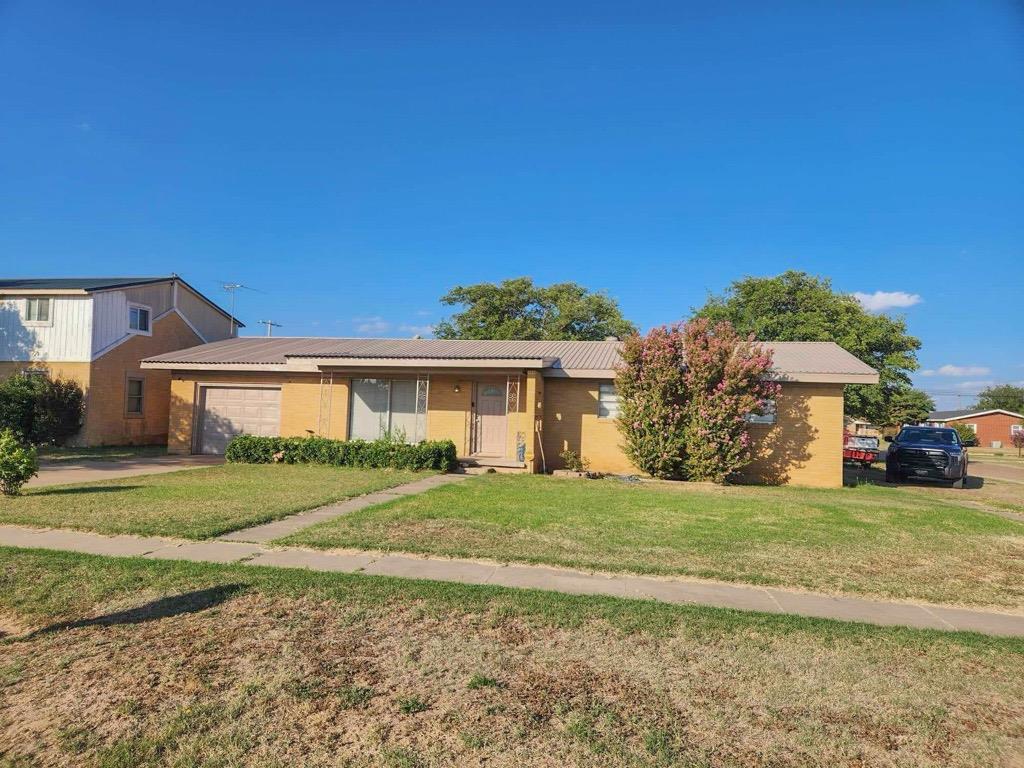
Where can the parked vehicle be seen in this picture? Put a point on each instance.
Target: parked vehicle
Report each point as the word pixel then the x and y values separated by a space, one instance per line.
pixel 860 449
pixel 927 452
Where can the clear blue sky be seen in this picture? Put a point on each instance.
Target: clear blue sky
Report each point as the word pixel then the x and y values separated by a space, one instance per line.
pixel 354 160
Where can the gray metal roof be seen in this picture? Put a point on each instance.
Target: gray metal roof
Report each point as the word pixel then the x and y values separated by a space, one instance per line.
pixel 789 357
pixel 73 283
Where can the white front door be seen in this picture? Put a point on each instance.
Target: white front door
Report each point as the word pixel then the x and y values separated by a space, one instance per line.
pixel 490 419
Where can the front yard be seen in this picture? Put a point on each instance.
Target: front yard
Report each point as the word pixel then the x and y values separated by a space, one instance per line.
pixel 125 662
pixel 197 503
pixel 891 542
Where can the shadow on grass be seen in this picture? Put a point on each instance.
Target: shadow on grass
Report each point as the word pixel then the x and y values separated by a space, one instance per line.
pixel 165 607
pixel 65 491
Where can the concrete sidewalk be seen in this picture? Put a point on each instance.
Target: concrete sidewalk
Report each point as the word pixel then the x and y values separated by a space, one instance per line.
pixel 278 529
pixel 669 590
pixel 67 473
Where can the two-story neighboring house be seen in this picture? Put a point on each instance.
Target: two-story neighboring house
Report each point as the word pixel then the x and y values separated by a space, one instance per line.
pixel 96 331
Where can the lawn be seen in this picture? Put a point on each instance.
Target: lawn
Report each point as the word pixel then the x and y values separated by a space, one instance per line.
pixel 891 542
pixel 117 662
pixel 101 453
pixel 194 504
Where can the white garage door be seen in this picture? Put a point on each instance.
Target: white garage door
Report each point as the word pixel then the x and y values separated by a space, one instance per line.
pixel 230 411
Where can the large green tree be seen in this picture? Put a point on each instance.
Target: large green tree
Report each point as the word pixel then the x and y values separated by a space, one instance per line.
pixel 518 309
pixel 1005 396
pixel 796 306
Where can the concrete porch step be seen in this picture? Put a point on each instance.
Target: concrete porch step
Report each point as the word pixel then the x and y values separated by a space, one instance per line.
pixel 478 465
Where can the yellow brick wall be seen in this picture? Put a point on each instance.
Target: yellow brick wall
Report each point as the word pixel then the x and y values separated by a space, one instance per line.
pixel 448 411
pixel 306 409
pixel 106 422
pixel 571 422
pixel 77 371
pixel 804 447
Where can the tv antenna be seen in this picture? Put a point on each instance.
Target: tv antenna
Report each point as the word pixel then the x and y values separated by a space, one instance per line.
pixel 231 288
pixel 271 325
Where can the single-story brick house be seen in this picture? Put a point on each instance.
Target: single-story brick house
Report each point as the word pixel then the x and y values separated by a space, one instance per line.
pixel 511 404
pixel 994 427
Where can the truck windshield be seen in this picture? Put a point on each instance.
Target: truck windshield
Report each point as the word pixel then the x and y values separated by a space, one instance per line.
pixel 936 436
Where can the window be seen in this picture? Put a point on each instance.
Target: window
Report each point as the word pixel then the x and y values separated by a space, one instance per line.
pixel 133 397
pixel 37 310
pixel 31 373
pixel 767 416
pixel 972 427
pixel 381 407
pixel 607 402
pixel 138 319
pixel 1016 428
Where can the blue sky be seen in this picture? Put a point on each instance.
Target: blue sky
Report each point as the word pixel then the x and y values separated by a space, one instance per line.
pixel 354 160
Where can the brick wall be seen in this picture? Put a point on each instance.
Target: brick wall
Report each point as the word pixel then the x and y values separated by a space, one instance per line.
pixel 448 411
pixel 571 421
pixel 106 419
pixel 995 426
pixel 804 446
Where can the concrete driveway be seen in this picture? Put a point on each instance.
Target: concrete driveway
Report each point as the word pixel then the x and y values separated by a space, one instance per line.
pixel 65 473
pixel 1011 473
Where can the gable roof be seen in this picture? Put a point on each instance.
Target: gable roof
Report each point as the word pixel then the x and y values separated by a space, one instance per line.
pixel 795 361
pixel 91 284
pixel 969 413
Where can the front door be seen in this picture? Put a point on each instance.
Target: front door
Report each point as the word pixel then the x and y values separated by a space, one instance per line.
pixel 490 420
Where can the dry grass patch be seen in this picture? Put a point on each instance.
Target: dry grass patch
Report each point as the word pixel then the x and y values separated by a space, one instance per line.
pixel 246 667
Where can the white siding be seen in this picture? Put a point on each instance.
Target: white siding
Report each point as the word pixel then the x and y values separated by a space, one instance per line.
pixel 67 338
pixel 109 319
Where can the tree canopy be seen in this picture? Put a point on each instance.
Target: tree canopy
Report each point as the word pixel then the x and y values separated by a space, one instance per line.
pixel 518 309
pixel 1005 396
pixel 796 306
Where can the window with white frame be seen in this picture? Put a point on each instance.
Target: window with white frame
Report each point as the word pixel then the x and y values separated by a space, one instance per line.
pixel 607 402
pixel 1016 429
pixel 768 414
pixel 134 393
pixel 382 407
pixel 30 373
pixel 37 310
pixel 138 318
pixel 972 427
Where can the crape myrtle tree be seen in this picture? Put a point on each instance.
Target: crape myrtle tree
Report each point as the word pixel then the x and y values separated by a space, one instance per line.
pixel 684 394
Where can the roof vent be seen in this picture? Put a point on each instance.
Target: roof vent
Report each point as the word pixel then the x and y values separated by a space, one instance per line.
pixel 611 338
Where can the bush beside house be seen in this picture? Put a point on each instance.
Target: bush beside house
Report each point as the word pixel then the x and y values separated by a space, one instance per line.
pixel 18 463
pixel 376 454
pixel 41 410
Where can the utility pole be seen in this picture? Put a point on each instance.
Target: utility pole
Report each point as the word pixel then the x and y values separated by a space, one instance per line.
pixel 271 325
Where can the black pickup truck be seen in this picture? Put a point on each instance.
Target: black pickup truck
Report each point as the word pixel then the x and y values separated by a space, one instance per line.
pixel 927 452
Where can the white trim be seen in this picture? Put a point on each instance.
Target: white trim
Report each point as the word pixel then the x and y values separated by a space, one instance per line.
pixel 47 323
pixel 187 322
pixel 152 322
pixel 316 363
pixel 214 367
pixel 43 292
pixel 979 413
pixel 149 319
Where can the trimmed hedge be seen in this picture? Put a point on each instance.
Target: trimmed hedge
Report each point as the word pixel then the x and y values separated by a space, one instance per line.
pixel 376 454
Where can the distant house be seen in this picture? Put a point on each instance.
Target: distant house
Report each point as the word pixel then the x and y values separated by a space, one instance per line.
pixel 994 427
pixel 506 404
pixel 96 331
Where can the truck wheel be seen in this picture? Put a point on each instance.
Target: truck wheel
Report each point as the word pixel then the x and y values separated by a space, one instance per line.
pixel 960 483
pixel 890 476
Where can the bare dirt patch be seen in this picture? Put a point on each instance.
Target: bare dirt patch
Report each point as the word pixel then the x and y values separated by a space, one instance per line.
pixel 266 681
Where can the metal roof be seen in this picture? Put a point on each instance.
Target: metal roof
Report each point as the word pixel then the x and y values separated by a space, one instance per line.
pixel 79 283
pixel 790 358
pixel 965 412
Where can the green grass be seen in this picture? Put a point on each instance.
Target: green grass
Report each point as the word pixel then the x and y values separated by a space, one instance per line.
pixel 194 504
pixel 869 539
pixel 101 453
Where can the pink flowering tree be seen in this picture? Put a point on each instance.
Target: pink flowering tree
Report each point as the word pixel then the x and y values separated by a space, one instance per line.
pixel 725 380
pixel 1017 438
pixel 651 387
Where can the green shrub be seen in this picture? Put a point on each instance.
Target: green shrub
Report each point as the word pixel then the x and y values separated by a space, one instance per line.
pixel 41 410
pixel 376 454
pixel 18 463
pixel 573 461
